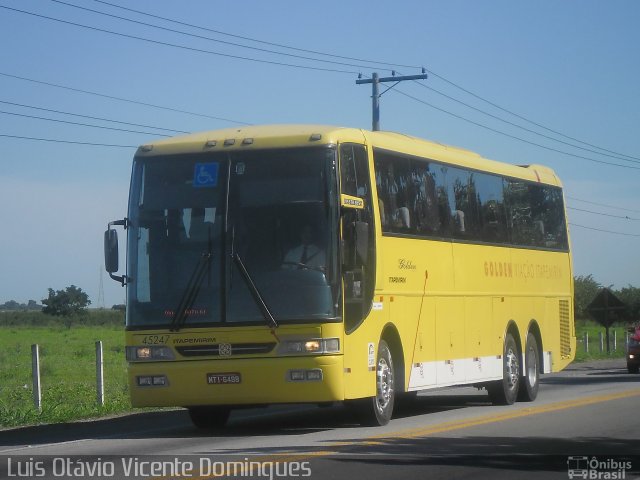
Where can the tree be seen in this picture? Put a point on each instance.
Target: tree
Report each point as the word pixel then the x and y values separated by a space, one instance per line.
pixel 631 296
pixel 12 305
pixel 67 303
pixel 585 290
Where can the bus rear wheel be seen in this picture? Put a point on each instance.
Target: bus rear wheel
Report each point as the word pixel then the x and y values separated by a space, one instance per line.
pixel 209 418
pixel 505 391
pixel 531 378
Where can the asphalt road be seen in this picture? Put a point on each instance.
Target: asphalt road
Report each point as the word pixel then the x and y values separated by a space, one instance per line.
pixel 585 423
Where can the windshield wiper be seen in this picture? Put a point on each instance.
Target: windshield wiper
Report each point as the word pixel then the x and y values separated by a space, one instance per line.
pixel 191 291
pixel 255 293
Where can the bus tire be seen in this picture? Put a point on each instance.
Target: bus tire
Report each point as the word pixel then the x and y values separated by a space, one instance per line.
pixel 377 410
pixel 209 418
pixel 505 391
pixel 530 380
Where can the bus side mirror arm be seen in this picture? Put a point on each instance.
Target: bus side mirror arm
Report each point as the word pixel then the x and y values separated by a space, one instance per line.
pixel 111 257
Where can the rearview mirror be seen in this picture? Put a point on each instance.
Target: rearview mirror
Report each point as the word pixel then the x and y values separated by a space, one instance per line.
pixel 111 260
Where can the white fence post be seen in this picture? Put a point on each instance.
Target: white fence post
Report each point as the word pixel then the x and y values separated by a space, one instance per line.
pixel 601 342
pixel 586 342
pixel 99 374
pixel 35 373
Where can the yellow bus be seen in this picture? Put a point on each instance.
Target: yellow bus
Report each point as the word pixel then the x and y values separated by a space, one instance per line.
pixel 316 264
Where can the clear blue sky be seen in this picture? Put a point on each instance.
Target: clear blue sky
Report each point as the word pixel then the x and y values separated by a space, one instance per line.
pixel 570 66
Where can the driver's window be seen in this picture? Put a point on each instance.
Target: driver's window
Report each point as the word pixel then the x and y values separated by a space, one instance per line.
pixel 358 265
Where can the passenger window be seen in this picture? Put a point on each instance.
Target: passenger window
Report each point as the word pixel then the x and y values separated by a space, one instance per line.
pixel 519 214
pixel 465 213
pixel 431 199
pixel 413 197
pixel 396 194
pixel 490 198
pixel 548 215
pixel 535 214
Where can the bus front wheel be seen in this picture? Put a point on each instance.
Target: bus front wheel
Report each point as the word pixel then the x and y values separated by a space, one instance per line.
pixel 505 391
pixel 377 410
pixel 209 418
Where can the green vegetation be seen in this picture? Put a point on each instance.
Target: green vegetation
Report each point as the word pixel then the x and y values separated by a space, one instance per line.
pixel 586 289
pixel 594 331
pixel 68 304
pixel 67 367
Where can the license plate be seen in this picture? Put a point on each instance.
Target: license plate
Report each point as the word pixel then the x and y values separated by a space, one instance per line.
pixel 223 378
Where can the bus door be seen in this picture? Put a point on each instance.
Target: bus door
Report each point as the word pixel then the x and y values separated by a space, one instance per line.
pixel 358 270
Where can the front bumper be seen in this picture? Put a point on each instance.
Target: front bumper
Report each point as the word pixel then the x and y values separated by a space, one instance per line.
pixel 263 381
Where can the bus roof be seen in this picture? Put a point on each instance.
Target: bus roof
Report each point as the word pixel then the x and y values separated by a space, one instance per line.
pixel 299 135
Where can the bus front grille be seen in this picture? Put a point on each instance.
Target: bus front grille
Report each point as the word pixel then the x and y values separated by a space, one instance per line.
pixel 226 350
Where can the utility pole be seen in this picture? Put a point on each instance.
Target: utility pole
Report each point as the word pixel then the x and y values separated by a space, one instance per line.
pixel 375 82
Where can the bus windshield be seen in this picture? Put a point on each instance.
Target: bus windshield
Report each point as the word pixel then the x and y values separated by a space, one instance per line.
pixel 197 219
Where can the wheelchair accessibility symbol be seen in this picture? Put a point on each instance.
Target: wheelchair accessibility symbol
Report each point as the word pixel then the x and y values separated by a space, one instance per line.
pixel 205 175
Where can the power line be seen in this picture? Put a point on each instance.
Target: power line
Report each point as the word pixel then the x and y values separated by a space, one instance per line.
pixel 53 140
pixel 612 153
pixel 522 117
pixel 80 124
pixel 175 45
pixel 121 99
pixel 202 37
pixel 619 156
pixel 605 231
pixel 263 42
pixel 512 136
pixel 624 217
pixel 603 205
pixel 102 119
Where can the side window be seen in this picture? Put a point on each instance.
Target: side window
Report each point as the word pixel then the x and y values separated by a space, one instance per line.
pixel 430 199
pixel 413 196
pixel 491 204
pixel 547 210
pixel 519 214
pixel 429 202
pixel 354 172
pixel 396 193
pixel 535 215
pixel 465 205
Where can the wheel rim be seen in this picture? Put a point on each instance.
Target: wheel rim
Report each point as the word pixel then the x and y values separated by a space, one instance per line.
pixel 384 384
pixel 512 369
pixel 532 368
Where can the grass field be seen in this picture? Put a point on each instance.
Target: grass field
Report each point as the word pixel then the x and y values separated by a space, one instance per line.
pixel 594 330
pixel 67 365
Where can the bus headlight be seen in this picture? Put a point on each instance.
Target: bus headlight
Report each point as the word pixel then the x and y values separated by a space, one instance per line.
pixel 310 346
pixel 154 353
